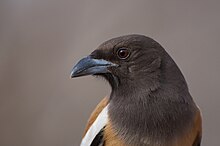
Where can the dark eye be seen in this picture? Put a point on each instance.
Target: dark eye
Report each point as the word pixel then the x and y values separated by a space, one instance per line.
pixel 123 53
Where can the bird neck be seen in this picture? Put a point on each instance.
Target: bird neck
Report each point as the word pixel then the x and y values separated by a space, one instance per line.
pixel 141 115
pixel 139 118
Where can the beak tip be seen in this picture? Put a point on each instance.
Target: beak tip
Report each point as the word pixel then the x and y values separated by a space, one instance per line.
pixel 72 75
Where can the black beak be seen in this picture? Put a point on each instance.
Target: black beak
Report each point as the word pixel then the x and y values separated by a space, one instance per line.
pixel 90 66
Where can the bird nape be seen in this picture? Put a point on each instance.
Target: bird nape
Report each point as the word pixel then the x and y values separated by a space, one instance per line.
pixel 149 105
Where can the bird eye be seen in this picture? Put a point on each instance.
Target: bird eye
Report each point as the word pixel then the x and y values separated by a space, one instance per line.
pixel 123 53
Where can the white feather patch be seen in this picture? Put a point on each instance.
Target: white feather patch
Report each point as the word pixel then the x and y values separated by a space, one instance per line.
pixel 97 125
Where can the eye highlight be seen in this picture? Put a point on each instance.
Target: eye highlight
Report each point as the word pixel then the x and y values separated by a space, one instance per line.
pixel 123 53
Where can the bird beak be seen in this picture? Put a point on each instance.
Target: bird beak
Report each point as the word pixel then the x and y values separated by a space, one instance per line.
pixel 90 66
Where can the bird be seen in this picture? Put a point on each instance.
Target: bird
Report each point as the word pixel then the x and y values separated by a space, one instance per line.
pixel 149 104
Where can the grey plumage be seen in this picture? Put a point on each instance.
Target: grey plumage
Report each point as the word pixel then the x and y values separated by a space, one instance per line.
pixel 151 102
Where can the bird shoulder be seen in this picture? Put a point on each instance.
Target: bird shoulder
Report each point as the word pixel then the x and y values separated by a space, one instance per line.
pixel 102 104
pixel 96 123
pixel 193 135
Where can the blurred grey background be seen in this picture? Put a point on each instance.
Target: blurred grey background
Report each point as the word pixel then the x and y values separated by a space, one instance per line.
pixel 40 40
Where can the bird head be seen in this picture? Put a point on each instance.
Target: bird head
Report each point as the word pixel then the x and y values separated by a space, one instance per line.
pixel 127 61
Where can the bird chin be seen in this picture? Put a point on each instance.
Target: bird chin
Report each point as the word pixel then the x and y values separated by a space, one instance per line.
pixel 111 78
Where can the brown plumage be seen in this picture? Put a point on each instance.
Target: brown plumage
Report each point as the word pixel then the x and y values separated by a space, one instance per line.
pixel 190 138
pixel 149 105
